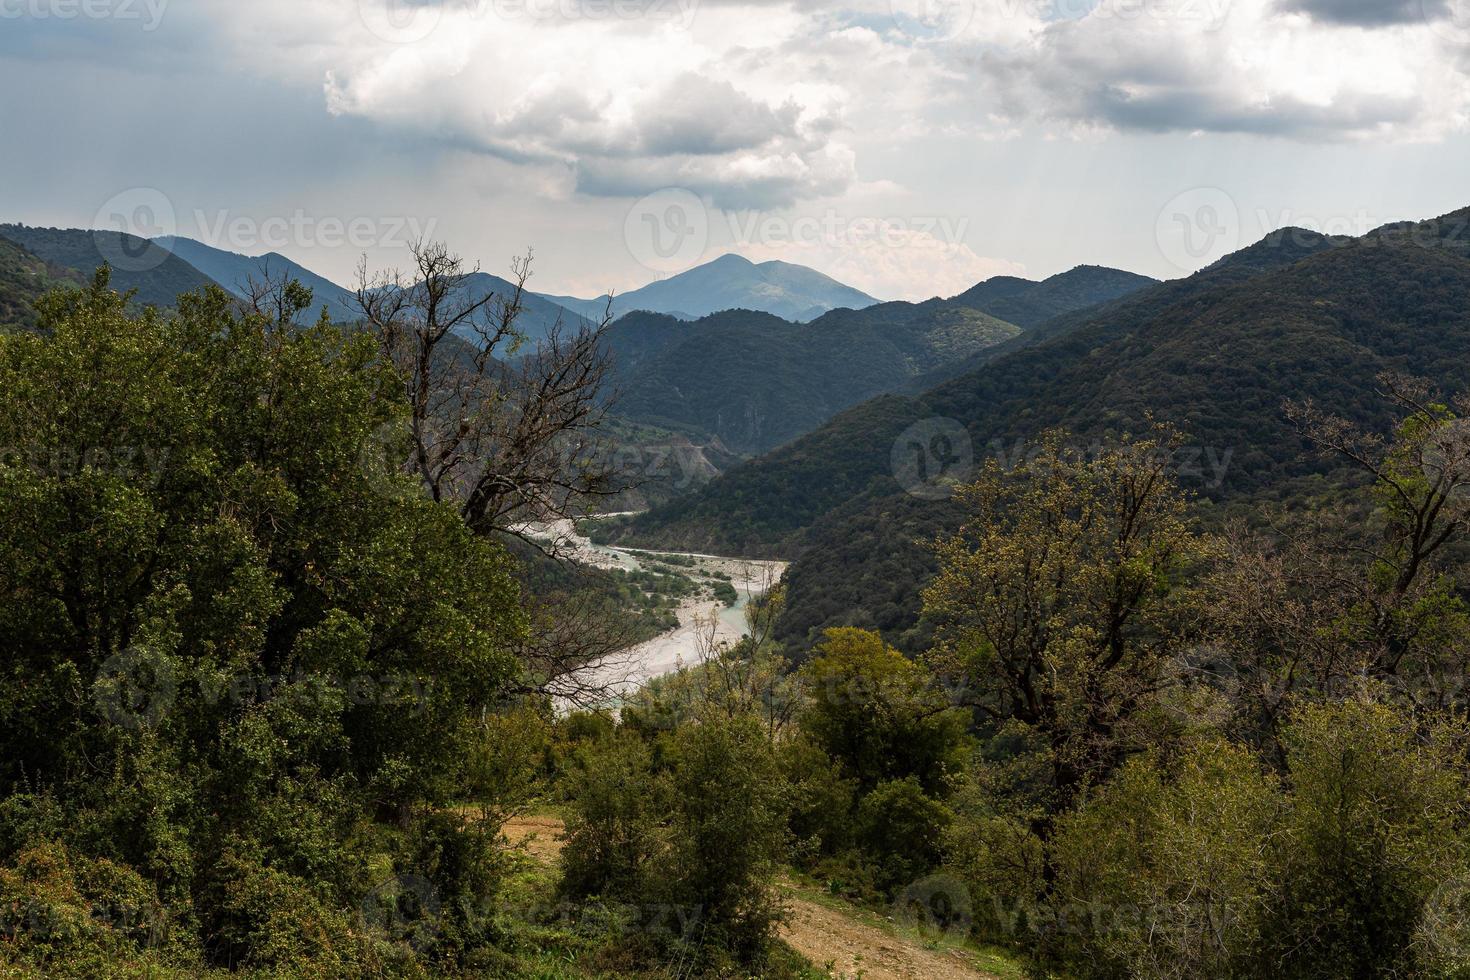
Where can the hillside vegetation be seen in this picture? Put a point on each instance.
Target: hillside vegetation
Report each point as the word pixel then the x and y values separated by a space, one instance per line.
pixel 158 275
pixel 1296 316
pixel 25 278
pixel 755 381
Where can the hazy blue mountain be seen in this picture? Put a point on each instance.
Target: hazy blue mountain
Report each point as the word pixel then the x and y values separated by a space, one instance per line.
pixel 731 282
pixel 538 314
pixel 235 271
pixel 158 275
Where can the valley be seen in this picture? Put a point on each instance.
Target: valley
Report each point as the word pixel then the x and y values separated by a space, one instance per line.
pixel 711 618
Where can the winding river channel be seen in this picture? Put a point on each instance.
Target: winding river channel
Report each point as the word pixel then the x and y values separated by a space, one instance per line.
pixel 666 653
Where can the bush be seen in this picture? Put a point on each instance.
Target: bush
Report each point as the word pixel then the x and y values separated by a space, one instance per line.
pixel 271 921
pixel 57 905
pixel 819 815
pixel 728 833
pixel 901 829
pixel 617 805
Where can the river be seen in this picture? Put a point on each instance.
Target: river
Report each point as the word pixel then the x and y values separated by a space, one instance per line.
pixel 664 654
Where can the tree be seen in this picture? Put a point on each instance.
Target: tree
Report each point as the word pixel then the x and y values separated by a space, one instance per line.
pixel 1364 586
pixel 228 650
pixel 1400 610
pixel 509 442
pixel 879 715
pixel 1060 597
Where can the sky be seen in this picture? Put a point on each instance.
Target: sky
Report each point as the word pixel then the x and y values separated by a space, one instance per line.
pixel 910 148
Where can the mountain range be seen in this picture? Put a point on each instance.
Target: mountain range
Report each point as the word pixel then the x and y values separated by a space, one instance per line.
pixel 731 282
pixel 755 381
pixel 235 272
pixel 158 275
pixel 1297 315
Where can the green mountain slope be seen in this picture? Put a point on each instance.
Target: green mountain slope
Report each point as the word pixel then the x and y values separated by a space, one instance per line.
pixel 755 509
pixel 158 275
pixel 755 381
pixel 1294 316
pixel 24 278
pixel 1028 304
pixel 235 272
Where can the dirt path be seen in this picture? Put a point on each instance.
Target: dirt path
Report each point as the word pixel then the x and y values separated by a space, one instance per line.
pixel 540 837
pixel 847 947
pixel 832 940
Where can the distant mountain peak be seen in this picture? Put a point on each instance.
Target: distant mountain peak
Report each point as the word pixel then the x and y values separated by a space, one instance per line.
pixel 732 259
pixel 732 281
pixel 1028 303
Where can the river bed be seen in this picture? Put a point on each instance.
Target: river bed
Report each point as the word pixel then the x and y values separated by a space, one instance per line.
pixel 702 620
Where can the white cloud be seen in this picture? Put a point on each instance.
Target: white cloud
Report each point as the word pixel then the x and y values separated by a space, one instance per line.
pixel 1247 66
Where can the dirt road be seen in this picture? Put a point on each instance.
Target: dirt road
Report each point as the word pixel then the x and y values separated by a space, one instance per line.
pixel 831 939
pixel 850 948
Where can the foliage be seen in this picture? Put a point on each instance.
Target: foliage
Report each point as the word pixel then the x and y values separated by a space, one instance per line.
pixel 878 715
pixel 1294 316
pixel 1059 599
pixel 156 276
pixel 231 645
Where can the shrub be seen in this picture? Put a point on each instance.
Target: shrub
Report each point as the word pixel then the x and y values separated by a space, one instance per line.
pixel 901 829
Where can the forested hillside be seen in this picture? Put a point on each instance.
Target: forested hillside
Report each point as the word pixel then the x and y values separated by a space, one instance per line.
pixel 159 276
pixel 1218 354
pixel 1028 304
pixel 756 381
pixel 24 278
pixel 237 272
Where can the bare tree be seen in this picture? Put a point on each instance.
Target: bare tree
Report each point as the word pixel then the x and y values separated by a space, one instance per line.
pixel 576 653
pixel 275 296
pixel 509 435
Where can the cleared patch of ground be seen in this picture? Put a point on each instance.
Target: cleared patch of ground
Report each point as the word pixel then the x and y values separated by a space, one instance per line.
pixel 847 943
